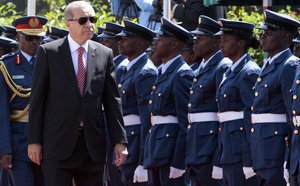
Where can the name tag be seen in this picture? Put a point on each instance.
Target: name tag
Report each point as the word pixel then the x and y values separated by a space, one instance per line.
pixel 18 77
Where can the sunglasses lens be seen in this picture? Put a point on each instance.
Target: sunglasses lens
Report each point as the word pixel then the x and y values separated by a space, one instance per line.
pixel 31 38
pixel 82 20
pixel 93 19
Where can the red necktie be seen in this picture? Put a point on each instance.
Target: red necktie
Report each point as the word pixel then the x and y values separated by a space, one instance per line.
pixel 81 71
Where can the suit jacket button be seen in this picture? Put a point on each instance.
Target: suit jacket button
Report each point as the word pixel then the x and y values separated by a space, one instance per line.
pixel 167 135
pixel 195 80
pixel 241 128
pixel 189 105
pixel 132 132
pixel 259 80
pixel 159 94
pixel 211 131
pixel 224 95
pixel 266 85
pixel 276 132
pixel 189 126
pixel 123 92
pixel 256 94
pixel 252 130
pixel 298 82
pixel 191 92
pixel 119 85
pixel 296 132
pixel 153 87
pixel 294 112
pixel 294 97
pixel 150 101
pixel 220 129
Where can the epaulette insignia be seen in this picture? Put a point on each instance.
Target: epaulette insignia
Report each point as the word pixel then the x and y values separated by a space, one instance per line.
pixel 294 62
pixel 18 59
pixel 148 71
pixel 186 72
pixel 255 71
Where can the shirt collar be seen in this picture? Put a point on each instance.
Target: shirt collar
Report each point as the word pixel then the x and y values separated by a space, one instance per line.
pixel 116 57
pixel 276 56
pixel 74 46
pixel 167 64
pixel 237 62
pixel 27 56
pixel 131 63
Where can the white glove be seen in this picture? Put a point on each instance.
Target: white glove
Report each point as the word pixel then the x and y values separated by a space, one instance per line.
pixel 286 174
pixel 140 174
pixel 175 173
pixel 248 172
pixel 217 172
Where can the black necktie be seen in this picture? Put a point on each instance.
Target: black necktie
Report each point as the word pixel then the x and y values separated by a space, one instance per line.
pixel 32 61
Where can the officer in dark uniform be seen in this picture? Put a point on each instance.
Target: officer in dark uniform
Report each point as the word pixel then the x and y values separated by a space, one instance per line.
pixel 235 98
pixel 135 89
pixel 6 45
pixel 272 103
pixel 54 33
pixel 108 38
pixel 189 56
pixel 15 82
pixel 10 32
pixel 296 46
pixel 165 145
pixel 202 134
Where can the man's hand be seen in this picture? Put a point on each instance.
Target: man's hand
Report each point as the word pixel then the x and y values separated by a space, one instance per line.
pixel 120 154
pixel 6 161
pixel 35 153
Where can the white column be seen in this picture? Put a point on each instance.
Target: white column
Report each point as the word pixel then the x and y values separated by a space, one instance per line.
pixel 167 9
pixel 31 7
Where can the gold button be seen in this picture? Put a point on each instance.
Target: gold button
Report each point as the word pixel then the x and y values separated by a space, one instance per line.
pixel 167 135
pixel 195 80
pixel 189 105
pixel 159 94
pixel 132 132
pixel 252 130
pixel 211 131
pixel 153 87
pixel 298 82
pixel 256 94
pixel 290 90
pixel 150 102
pixel 294 112
pixel 294 96
pixel 252 108
pixel 149 130
pixel 241 128
pixel 119 85
pixel 216 100
pixel 220 129
pixel 189 126
pixel 266 85
pixel 296 132
pixel 224 95
pixel 276 132
pixel 151 114
pixel 259 79
pixel 253 88
pixel 200 86
pixel 191 92
pixel 123 92
pixel 286 138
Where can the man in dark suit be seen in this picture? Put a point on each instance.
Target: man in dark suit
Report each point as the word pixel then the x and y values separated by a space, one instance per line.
pixel 72 80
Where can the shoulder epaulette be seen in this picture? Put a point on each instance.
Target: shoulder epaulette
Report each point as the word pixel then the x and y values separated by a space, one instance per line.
pixel 186 72
pixel 148 71
pixel 6 56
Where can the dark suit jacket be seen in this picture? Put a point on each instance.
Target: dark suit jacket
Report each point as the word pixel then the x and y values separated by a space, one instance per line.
pixel 56 107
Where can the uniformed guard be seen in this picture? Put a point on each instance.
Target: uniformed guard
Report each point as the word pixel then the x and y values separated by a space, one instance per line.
pixel 165 145
pixel 135 89
pixel 15 82
pixel 6 45
pixel 235 98
pixel 202 133
pixel 272 103
pixel 296 46
pixel 10 32
pixel 295 142
pixel 108 38
pixel 189 56
pixel 54 33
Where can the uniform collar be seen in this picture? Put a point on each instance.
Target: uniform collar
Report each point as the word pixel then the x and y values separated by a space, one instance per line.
pixel 27 56
pixel 131 63
pixel 166 65
pixel 270 60
pixel 234 65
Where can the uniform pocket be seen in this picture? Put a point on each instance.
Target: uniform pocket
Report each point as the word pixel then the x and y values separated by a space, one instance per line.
pixel 165 142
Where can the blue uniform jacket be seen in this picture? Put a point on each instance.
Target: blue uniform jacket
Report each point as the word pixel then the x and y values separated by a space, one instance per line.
pixel 165 143
pixel 13 135
pixel 295 147
pixel 195 65
pixel 236 94
pixel 272 95
pixel 135 91
pixel 119 67
pixel 202 137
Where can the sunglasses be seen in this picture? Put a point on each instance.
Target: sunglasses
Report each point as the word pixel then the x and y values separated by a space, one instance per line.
pixel 31 38
pixel 83 20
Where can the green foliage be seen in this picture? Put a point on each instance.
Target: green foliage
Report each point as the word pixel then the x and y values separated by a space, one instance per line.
pixel 8 13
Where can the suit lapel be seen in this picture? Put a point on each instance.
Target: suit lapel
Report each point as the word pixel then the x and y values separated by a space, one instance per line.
pixel 91 63
pixel 67 61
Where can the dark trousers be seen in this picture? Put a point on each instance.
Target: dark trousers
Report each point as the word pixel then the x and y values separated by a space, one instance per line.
pixel 270 177
pixel 128 173
pixel 160 177
pixel 201 175
pixel 296 179
pixel 233 175
pixel 79 167
pixel 4 179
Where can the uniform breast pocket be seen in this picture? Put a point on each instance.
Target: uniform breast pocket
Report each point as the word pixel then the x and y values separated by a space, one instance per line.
pixel 235 134
pixel 198 95
pixel 160 97
pixel 232 93
pixel 207 138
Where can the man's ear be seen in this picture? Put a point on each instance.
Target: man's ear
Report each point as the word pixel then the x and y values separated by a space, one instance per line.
pixel 67 23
